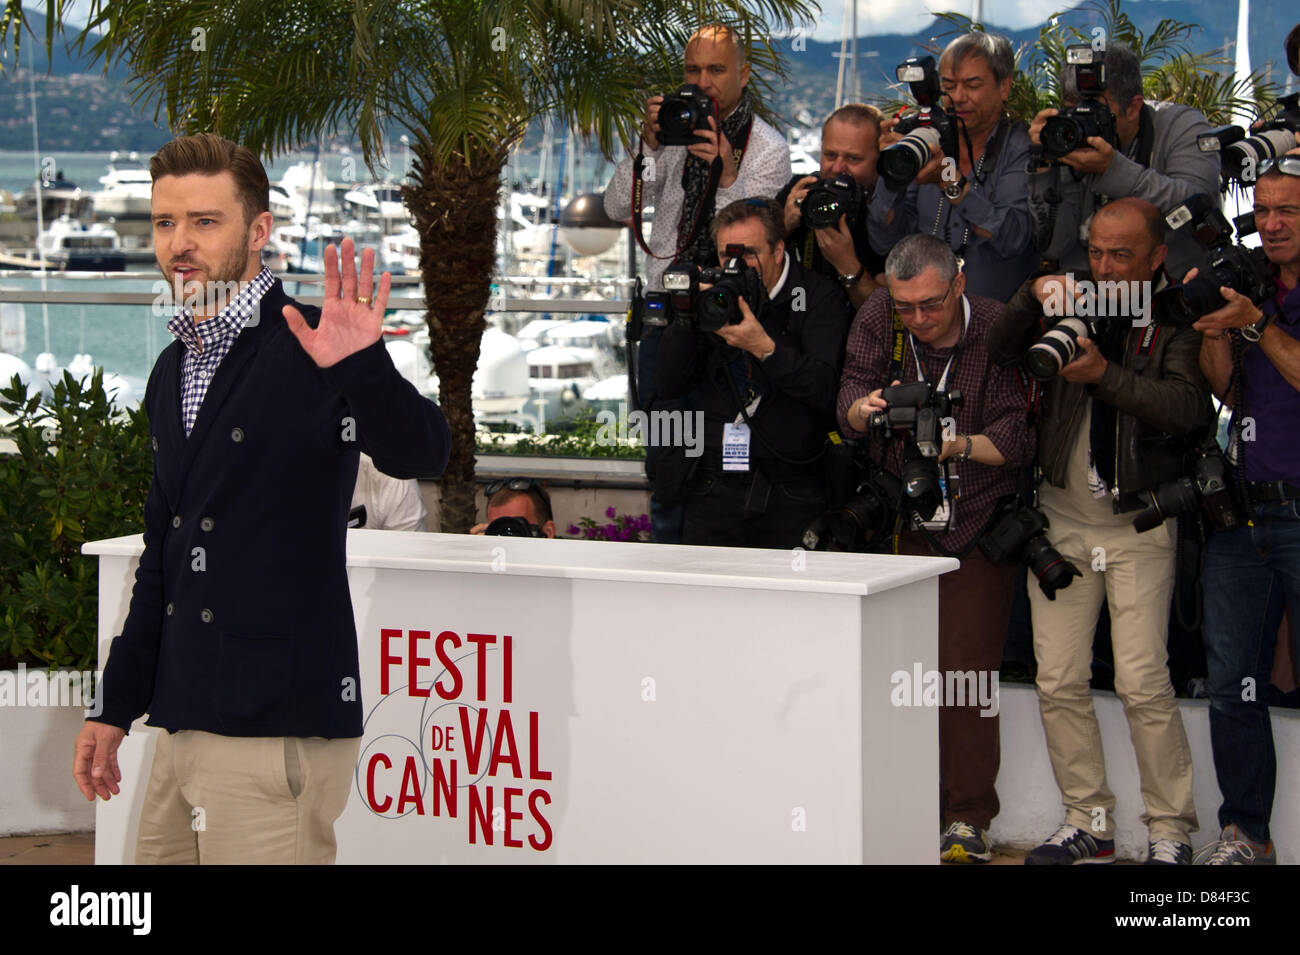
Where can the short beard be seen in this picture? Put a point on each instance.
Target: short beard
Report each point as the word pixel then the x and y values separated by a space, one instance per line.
pixel 213 292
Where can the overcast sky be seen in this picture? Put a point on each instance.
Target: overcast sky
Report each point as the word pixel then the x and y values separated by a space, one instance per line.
pixel 906 16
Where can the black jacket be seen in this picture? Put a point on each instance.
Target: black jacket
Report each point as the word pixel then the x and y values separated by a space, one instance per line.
pixel 1161 395
pixel 240 621
pixel 799 381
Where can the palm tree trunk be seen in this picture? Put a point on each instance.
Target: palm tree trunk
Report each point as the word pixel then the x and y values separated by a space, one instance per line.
pixel 454 207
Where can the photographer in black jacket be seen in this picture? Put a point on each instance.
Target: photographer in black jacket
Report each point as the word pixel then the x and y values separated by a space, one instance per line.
pixel 766 385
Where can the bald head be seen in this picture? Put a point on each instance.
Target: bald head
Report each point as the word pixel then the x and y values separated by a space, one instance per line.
pixel 1132 209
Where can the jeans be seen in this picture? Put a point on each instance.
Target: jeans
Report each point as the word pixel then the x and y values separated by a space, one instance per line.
pixel 1251 574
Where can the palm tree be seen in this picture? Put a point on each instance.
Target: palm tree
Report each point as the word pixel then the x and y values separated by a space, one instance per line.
pixel 464 78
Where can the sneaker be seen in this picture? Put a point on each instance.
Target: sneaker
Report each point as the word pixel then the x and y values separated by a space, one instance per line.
pixel 1070 845
pixel 1168 852
pixel 1236 848
pixel 963 842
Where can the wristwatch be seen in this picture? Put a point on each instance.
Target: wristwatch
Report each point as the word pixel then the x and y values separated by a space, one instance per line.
pixel 1253 332
pixel 850 279
pixel 965 453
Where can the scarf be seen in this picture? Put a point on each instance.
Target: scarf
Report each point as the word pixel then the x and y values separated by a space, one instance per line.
pixel 695 182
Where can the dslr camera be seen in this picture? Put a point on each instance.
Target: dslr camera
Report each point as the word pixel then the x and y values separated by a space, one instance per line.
pixel 1070 128
pixel 683 112
pixel 924 131
pixel 915 414
pixel 1057 347
pixel 513 527
pixel 1241 269
pixel 832 197
pixel 708 309
pixel 870 509
pixel 1206 485
pixel 1241 152
pixel 1015 534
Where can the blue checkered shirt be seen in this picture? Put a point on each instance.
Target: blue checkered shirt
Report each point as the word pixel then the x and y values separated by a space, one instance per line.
pixel 203 354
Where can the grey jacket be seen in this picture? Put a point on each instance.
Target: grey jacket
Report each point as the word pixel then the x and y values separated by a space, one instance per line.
pixel 1161 397
pixel 1177 170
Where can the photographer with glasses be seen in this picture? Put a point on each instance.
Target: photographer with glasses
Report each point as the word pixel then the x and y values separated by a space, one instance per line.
pixel 1251 356
pixel 517 507
pixel 923 327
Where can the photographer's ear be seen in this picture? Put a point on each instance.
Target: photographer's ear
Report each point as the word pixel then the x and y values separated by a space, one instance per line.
pixel 1158 255
pixel 548 529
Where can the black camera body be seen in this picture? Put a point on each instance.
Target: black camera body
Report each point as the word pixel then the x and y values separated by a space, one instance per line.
pixel 683 112
pixel 708 309
pixel 1241 152
pixel 1016 534
pixel 513 527
pixel 1207 485
pixel 915 414
pixel 831 198
pixel 865 520
pixel 1241 269
pixel 1070 128
pixel 928 129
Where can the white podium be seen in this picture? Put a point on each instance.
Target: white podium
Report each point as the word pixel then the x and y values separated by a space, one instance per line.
pixel 534 701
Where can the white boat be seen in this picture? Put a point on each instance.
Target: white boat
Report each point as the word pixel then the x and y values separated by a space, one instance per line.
pixel 561 370
pixel 70 244
pixel 127 191
pixel 303 181
pixel 382 201
pixel 400 250
pixel 285 206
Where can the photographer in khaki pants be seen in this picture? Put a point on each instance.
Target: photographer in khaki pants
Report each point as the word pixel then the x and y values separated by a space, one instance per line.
pixel 1112 426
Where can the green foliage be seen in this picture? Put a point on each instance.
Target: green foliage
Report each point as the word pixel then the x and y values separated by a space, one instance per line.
pixel 577 438
pixel 80 471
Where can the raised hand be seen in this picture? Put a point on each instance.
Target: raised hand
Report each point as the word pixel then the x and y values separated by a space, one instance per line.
pixel 350 320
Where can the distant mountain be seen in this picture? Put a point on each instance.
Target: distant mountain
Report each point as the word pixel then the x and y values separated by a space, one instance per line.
pixel 82 108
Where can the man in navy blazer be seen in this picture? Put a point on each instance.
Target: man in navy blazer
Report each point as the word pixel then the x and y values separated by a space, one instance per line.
pixel 239 641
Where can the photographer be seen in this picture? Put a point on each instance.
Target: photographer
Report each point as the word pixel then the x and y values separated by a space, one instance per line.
pixel 842 251
pixel 1251 357
pixel 755 161
pixel 978 205
pixel 943 340
pixel 1153 156
pixel 517 507
pixel 765 383
pixel 1112 425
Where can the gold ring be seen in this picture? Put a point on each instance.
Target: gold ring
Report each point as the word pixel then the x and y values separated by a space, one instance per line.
pixel 363 300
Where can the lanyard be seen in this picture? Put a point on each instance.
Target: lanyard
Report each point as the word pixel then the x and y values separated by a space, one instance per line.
pixel 916 355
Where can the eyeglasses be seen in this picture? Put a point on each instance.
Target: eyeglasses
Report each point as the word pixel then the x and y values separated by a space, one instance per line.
pixel 1289 165
pixel 932 307
pixel 518 484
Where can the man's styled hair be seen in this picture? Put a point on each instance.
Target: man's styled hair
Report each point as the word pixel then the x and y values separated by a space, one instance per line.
pixel 1150 215
pixel 1123 76
pixel 995 48
pixel 721 33
pixel 766 211
pixel 859 114
pixel 541 507
pixel 208 155
pixel 917 252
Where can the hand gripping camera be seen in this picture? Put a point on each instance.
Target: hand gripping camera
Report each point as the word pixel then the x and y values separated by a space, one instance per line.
pixel 1070 128
pixel 832 197
pixel 1241 269
pixel 1206 485
pixel 915 414
pixel 682 113
pixel 708 309
pixel 924 131
pixel 1240 153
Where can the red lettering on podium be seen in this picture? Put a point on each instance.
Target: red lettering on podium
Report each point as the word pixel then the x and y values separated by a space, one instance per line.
pixel 370 783
pixel 448 636
pixel 413 664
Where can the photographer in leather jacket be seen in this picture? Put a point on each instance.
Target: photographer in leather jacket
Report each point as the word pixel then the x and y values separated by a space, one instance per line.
pixel 1112 425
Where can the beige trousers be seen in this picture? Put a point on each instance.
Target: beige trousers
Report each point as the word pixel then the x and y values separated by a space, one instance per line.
pixel 221 800
pixel 1135 573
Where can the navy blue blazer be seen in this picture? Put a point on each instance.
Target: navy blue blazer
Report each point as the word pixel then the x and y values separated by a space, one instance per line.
pixel 240 621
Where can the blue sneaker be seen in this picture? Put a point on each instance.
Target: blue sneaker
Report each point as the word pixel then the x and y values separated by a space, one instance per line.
pixel 963 842
pixel 1070 845
pixel 1168 852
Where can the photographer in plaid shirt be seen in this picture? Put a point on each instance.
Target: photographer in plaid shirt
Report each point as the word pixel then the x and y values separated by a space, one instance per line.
pixel 945 342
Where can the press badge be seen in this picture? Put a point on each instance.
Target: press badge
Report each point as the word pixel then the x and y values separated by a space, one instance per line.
pixel 735 447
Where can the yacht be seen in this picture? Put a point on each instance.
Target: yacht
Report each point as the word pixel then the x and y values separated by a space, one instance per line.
pixel 127 191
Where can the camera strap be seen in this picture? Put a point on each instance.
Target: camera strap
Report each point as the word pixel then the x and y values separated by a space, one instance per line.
pixel 1146 344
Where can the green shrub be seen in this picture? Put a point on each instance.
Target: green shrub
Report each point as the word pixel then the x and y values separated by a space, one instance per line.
pixel 80 472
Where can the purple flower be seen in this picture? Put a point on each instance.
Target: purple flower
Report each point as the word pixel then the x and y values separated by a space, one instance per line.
pixel 573 528
pixel 610 512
